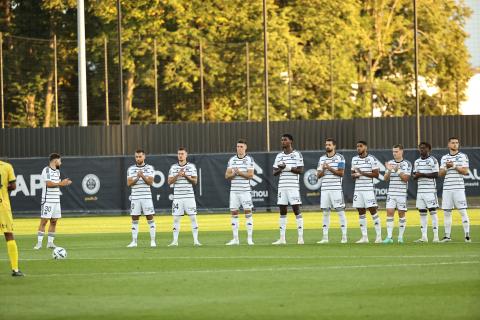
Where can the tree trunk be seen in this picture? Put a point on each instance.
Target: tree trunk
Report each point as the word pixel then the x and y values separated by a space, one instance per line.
pixel 5 15
pixel 31 119
pixel 48 101
pixel 128 95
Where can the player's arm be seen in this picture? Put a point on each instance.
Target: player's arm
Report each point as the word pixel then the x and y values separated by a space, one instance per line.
pixel 405 176
pixel 278 167
pixel 297 170
pixel 463 167
pixel 132 180
pixel 229 174
pixel 340 171
pixel 374 174
pixel 192 179
pixel 12 185
pixel 148 179
pixel 388 172
pixel 247 175
pixel 65 182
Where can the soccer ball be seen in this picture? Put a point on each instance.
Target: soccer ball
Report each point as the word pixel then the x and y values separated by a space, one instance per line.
pixel 59 253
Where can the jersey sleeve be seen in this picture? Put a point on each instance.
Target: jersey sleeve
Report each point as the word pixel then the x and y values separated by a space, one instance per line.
pixel 299 160
pixel 434 165
pixel 130 173
pixel 443 163
pixel 375 165
pixel 415 164
pixel 194 171
pixel 407 168
pixel 150 172
pixel 11 174
pixel 320 164
pixel 170 172
pixel 341 163
pixel 277 161
pixel 230 163
pixel 251 164
pixel 465 161
pixel 352 166
pixel 46 175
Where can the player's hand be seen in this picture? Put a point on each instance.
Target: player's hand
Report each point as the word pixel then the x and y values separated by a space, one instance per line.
pixel 326 166
pixel 66 182
pixel 417 175
pixel 140 174
pixel 235 171
pixel 282 165
pixel 181 173
pixel 449 164
pixel 356 175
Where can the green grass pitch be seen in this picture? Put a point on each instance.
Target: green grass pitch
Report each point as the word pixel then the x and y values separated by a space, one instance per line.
pixel 101 279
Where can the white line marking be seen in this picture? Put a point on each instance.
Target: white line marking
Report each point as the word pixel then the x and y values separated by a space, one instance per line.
pixel 334 267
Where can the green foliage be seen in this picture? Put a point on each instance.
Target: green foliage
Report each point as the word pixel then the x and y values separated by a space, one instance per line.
pixel 360 53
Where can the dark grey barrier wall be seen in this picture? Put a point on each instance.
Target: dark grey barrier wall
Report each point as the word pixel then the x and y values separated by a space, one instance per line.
pixel 220 137
pixel 99 183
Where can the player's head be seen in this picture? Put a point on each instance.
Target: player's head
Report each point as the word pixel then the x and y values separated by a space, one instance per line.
pixel 361 146
pixel 397 151
pixel 330 144
pixel 140 156
pixel 241 147
pixel 287 140
pixel 424 148
pixel 182 154
pixel 453 144
pixel 55 160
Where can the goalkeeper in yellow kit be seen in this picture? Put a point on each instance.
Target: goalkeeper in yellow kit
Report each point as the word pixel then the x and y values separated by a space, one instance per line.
pixel 7 183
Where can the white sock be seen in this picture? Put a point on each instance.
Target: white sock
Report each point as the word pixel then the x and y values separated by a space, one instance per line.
pixel 283 227
pixel 326 222
pixel 343 221
pixel 390 223
pixel 176 227
pixel 235 226
pixel 249 225
pixel 193 220
pixel 424 223
pixel 51 237
pixel 447 222
pixel 434 216
pixel 363 224
pixel 378 225
pixel 299 219
pixel 402 224
pixel 465 222
pixel 40 236
pixel 134 230
pixel 153 229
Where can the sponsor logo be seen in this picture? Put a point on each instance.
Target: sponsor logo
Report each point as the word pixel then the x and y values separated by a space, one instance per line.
pixel 91 184
pixel 311 181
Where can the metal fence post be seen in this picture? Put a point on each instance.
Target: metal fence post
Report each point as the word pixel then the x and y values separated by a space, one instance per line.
pixel 55 75
pixel 155 78
pixel 105 60
pixel 202 94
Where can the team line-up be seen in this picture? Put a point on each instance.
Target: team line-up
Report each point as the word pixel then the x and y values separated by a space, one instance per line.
pixel 288 166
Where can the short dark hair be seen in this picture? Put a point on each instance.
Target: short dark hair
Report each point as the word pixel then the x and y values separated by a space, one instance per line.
pixel 453 138
pixel 287 135
pixel 182 149
pixel 398 145
pixel 331 140
pixel 244 141
pixel 54 156
pixel 362 142
pixel 426 144
pixel 140 151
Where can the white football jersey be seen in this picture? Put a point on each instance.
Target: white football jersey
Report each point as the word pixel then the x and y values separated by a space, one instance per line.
pixel 367 165
pixel 453 179
pixel 182 188
pixel 50 195
pixel 396 186
pixel 140 190
pixel 331 182
pixel 427 165
pixel 238 183
pixel 289 180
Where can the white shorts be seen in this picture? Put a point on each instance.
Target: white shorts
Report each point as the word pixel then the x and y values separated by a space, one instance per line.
pixel 426 201
pixel 145 206
pixel 243 199
pixel 364 199
pixel 181 206
pixel 51 210
pixel 454 198
pixel 331 199
pixel 397 202
pixel 289 196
